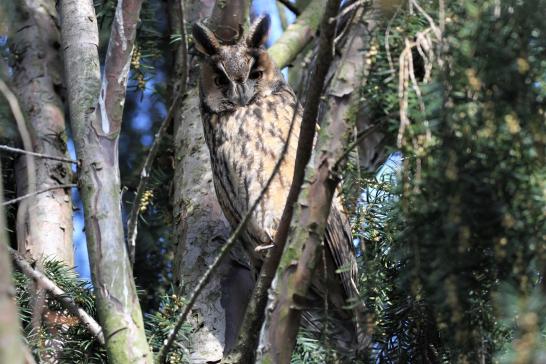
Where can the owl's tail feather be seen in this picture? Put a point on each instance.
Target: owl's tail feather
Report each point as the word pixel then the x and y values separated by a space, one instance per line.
pixel 343 330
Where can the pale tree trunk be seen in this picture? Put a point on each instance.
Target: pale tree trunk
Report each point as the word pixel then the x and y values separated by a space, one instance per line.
pixel 44 221
pixel 303 254
pixel 37 77
pixel 12 349
pixel 200 226
pixel 96 108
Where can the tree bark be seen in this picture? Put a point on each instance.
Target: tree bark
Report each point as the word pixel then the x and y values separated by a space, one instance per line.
pixel 342 93
pixel 96 108
pixel 200 226
pixel 37 77
pixel 12 349
pixel 298 34
pixel 302 254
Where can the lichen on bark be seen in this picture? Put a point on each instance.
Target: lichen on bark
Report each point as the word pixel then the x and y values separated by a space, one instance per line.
pixel 97 149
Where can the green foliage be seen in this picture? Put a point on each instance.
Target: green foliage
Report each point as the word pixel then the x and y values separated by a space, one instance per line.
pixel 380 93
pixel 160 324
pixel 308 351
pixel 78 346
pixel 454 265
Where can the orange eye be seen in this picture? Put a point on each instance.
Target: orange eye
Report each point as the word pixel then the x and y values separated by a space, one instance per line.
pixel 255 75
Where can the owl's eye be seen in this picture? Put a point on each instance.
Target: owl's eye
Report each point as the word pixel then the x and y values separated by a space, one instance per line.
pixel 221 80
pixel 255 75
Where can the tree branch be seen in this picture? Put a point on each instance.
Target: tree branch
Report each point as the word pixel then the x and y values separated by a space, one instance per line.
pixel 293 8
pixel 60 295
pixel 20 198
pixel 96 108
pixel 39 155
pixel 145 174
pixel 23 131
pixel 297 35
pixel 116 66
pixel 280 329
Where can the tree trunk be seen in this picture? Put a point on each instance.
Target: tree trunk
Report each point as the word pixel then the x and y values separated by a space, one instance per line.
pixel 303 253
pixel 96 108
pixel 37 76
pixel 200 226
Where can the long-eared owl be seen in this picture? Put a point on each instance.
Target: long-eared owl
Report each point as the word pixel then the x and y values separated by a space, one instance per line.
pixel 247 110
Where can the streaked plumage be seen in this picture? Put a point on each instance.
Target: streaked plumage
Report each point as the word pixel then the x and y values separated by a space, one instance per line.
pixel 247 109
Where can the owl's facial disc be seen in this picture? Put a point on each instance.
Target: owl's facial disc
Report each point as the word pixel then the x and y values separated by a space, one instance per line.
pixel 240 88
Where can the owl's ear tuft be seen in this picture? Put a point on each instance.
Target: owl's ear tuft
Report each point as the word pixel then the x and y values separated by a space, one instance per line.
pixel 258 32
pixel 205 40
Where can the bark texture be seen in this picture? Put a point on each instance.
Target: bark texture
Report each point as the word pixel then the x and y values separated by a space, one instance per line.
pixel 96 108
pixel 298 34
pixel 37 77
pixel 12 349
pixel 302 254
pixel 200 226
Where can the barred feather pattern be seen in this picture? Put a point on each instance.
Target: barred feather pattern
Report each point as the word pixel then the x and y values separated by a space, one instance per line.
pixel 244 146
pixel 245 142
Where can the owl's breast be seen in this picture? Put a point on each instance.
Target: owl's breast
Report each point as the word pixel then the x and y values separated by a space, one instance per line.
pixel 245 146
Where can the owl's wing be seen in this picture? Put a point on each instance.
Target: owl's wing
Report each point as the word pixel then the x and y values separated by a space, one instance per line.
pixel 336 279
pixel 339 240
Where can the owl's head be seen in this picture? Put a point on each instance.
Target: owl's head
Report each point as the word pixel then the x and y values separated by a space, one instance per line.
pixel 235 74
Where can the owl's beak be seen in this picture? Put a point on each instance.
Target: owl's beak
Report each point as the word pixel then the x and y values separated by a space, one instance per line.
pixel 242 94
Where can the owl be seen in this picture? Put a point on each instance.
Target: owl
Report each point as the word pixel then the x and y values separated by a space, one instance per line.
pixel 247 110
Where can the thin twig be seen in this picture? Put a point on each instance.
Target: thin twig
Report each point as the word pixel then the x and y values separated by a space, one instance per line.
pixel 403 83
pixel 359 138
pixel 60 295
pixel 226 248
pixel 291 7
pixel 20 198
pixel 39 155
pixel 387 35
pixel 437 32
pixel 132 223
pixel 23 131
pixel 23 215
pixel 348 9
